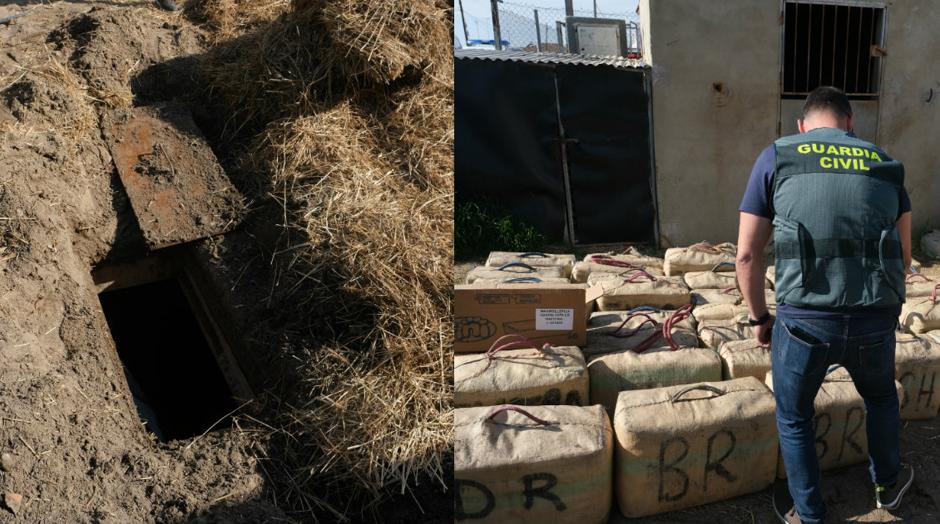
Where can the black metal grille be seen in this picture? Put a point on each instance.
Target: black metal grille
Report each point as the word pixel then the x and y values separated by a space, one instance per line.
pixel 835 45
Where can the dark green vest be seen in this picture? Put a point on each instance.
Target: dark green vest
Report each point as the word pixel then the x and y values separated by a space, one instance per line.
pixel 835 200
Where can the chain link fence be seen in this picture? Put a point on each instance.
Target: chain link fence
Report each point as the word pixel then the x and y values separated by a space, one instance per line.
pixel 537 28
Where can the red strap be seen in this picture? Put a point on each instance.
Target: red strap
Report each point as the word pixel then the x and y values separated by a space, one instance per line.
pixel 911 277
pixel 638 273
pixel 664 331
pixel 728 290
pixel 705 247
pixel 933 294
pixel 649 320
pixel 513 341
pixel 510 407
pixel 677 316
pixel 608 261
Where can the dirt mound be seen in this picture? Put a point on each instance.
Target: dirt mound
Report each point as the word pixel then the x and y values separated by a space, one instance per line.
pixel 109 47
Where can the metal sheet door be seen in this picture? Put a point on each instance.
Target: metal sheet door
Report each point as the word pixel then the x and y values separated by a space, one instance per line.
pixel 604 115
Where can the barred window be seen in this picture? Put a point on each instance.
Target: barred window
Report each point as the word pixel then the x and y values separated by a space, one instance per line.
pixel 826 43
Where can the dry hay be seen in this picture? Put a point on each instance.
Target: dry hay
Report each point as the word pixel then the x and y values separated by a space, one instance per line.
pixel 355 135
pixel 228 19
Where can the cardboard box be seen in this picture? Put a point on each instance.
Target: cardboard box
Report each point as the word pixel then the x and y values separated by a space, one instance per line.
pixel 553 313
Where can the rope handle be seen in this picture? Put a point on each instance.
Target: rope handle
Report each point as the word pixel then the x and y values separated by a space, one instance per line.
pixel 514 341
pixel 721 265
pixel 524 280
pixel 644 308
pixel 606 260
pixel 677 316
pixel 634 331
pixel 505 342
pixel 707 247
pixel 704 247
pixel 703 387
pixel 533 254
pixel 523 265
pixel 910 278
pixel 933 294
pixel 639 273
pixel 517 409
pixel 729 290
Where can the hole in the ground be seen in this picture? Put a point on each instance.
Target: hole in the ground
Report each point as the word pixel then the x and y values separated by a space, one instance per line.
pixel 177 384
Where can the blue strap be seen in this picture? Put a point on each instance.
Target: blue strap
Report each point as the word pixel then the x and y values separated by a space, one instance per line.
pixel 524 280
pixel 722 264
pixel 533 254
pixel 523 265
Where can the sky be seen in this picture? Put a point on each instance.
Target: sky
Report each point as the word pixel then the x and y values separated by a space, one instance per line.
pixel 479 24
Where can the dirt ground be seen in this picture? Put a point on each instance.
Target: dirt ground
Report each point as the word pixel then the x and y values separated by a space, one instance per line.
pixel 848 491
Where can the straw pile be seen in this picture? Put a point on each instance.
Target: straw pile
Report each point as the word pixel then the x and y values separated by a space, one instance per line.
pixel 350 104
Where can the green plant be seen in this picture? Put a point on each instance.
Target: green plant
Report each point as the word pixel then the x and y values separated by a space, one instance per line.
pixel 482 226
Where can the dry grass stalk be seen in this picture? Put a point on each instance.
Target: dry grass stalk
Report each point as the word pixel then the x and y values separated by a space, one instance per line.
pixel 354 102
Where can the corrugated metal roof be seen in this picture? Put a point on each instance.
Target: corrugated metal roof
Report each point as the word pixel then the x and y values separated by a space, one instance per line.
pixel 549 58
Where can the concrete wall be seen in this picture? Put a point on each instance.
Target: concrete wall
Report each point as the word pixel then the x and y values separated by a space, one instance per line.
pixel 909 120
pixel 865 111
pixel 716 95
pixel 716 104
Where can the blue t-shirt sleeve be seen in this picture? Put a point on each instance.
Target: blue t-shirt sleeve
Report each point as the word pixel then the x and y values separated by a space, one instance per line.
pixel 905 202
pixel 757 196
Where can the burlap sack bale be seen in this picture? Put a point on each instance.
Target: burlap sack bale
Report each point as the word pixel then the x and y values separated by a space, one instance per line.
pixel 713 333
pixel 532 258
pixel 921 314
pixel 633 255
pixel 641 289
pixel 917 366
pixel 930 243
pixel 771 276
pixel 538 464
pixel 522 372
pixel 683 446
pixel 744 358
pixel 515 270
pixel 714 280
pixel 701 297
pixel 699 257
pixel 626 369
pixel 839 424
pixel 728 311
pixel 920 285
pixel 616 330
pixel 612 264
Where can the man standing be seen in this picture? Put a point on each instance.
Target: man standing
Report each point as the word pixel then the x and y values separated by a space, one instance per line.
pixel 841 221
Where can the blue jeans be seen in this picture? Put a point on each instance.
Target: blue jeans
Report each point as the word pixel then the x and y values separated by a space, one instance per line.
pixel 801 351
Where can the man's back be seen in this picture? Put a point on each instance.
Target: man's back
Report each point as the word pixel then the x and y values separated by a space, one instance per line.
pixel 836 199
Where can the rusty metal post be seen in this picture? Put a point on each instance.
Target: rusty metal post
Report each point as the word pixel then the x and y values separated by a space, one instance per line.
pixel 538 31
pixel 497 39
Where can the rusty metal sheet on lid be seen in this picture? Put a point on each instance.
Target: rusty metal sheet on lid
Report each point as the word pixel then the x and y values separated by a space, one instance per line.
pixel 176 187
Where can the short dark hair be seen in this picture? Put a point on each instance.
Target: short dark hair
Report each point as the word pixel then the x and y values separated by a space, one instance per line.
pixel 827 98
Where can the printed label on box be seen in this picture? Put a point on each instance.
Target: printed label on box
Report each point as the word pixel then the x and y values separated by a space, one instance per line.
pixel 554 319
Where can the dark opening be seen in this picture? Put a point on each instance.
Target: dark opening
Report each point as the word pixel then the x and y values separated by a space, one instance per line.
pixel 831 45
pixel 177 385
